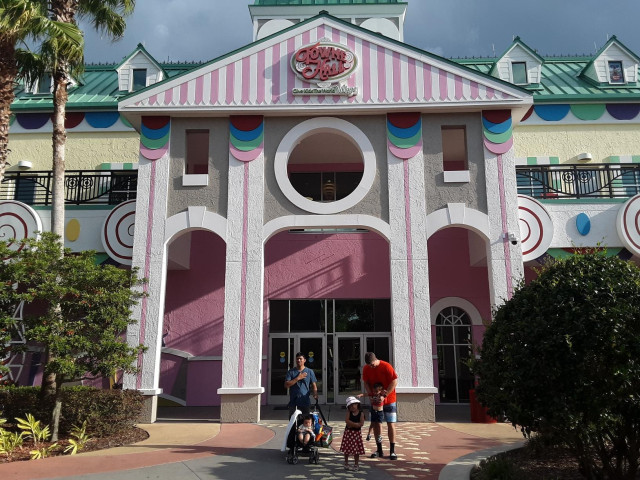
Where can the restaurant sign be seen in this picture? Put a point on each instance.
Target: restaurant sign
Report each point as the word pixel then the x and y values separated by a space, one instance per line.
pixel 324 64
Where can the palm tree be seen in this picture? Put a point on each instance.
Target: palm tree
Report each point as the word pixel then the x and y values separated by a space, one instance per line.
pixel 22 20
pixel 107 16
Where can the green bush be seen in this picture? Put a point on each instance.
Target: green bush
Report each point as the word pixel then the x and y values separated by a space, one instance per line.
pixel 106 411
pixel 562 357
pixel 496 467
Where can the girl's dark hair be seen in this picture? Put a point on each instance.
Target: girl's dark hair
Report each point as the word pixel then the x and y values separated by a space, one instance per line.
pixel 378 385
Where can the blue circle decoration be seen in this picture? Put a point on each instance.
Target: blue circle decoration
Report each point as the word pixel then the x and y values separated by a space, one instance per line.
pixel 583 224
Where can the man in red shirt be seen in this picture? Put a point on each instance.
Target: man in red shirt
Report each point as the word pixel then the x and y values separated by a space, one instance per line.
pixel 379 371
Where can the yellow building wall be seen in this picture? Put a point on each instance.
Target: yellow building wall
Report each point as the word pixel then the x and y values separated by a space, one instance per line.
pixel 567 141
pixel 84 151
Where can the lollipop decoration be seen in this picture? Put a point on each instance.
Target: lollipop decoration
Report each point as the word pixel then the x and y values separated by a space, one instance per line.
pixel 536 228
pixel 117 232
pixel 627 225
pixel 17 223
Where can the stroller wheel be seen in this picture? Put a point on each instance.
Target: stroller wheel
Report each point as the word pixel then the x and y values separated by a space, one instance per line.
pixel 316 457
pixel 294 460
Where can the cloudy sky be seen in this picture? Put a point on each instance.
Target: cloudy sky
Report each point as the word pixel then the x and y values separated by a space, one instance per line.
pixel 185 30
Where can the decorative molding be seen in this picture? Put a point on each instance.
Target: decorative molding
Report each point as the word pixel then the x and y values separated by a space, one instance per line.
pixel 452 215
pixel 457 176
pixel 334 221
pixel 466 305
pixel 183 221
pixel 338 127
pixel 195 180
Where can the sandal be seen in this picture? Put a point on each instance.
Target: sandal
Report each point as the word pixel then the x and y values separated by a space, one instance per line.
pixel 376 455
pixel 393 456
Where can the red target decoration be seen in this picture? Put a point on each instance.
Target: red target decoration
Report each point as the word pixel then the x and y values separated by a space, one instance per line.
pixel 117 232
pixel 627 225
pixel 17 223
pixel 536 228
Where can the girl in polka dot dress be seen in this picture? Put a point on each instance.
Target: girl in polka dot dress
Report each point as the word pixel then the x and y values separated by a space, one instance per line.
pixel 352 437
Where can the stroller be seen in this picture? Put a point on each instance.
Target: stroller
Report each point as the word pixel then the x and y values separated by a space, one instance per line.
pixel 323 437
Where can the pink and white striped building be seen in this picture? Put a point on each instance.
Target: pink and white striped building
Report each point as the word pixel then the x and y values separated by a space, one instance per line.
pixel 325 189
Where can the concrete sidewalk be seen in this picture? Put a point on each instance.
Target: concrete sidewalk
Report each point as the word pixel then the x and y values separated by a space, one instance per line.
pixel 182 449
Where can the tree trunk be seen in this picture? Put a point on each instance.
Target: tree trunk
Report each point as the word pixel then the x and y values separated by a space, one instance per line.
pixel 59 142
pixel 8 73
pixel 55 415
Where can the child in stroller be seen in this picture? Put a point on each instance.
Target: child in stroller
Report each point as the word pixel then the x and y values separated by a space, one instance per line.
pixel 303 436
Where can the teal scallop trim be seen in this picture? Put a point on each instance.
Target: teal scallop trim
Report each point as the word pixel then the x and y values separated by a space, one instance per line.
pixel 588 112
pixel 497 137
pixel 405 142
pixel 154 144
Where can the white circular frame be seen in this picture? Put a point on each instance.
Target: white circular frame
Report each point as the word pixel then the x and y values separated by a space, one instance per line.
pixel 325 125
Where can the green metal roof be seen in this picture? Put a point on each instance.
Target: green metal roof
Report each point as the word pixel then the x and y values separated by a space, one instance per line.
pixel 287 3
pixel 561 81
pixel 97 89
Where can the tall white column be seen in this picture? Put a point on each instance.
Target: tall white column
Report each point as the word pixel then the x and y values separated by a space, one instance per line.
pixel 149 256
pixel 242 347
pixel 504 250
pixel 410 282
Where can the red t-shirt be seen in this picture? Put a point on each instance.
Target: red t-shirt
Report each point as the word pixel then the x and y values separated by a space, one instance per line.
pixel 384 374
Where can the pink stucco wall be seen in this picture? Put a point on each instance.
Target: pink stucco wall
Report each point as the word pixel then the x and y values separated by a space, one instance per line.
pixel 354 265
pixel 193 320
pixel 450 272
pixel 194 303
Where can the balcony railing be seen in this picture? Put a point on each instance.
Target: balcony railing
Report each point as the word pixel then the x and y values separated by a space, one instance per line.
pixel 81 187
pixel 579 181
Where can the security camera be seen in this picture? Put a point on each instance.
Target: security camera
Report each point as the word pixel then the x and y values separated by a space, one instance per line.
pixel 513 239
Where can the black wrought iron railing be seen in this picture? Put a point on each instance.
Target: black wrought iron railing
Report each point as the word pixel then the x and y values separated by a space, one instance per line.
pixel 81 187
pixel 579 181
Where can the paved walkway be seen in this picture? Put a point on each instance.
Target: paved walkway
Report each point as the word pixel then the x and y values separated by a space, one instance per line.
pixel 202 450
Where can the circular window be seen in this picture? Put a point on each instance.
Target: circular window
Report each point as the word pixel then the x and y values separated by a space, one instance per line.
pixel 325 165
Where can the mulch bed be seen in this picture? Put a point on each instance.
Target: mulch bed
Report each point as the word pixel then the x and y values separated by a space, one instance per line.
pixel 552 463
pixel 127 437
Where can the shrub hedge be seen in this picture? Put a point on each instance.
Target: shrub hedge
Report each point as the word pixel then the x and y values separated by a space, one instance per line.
pixel 106 411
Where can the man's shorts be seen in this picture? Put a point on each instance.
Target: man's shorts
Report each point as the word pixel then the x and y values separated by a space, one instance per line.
pixel 388 414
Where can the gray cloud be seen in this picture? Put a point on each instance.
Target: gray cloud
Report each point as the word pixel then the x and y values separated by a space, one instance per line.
pixel 185 30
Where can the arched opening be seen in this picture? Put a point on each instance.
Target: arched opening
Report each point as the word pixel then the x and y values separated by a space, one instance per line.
pixel 193 325
pixel 460 295
pixel 327 294
pixel 454 341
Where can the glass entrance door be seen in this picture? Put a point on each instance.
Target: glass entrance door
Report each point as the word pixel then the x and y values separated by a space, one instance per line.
pixel 282 350
pixel 348 368
pixel 349 361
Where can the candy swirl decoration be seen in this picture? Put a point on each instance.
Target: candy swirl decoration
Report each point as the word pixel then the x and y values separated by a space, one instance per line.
pixel 154 137
pixel 404 134
pixel 627 225
pixel 497 131
pixel 536 228
pixel 117 232
pixel 17 223
pixel 246 137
